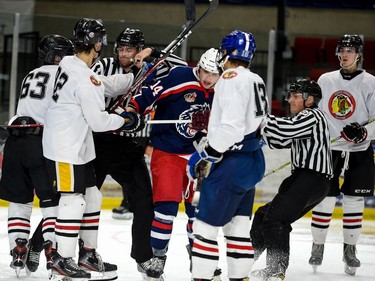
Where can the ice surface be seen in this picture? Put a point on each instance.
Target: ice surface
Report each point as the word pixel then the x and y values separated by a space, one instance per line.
pixel 115 243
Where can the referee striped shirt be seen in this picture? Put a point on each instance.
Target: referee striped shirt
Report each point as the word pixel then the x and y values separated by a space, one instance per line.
pixel 308 137
pixel 110 66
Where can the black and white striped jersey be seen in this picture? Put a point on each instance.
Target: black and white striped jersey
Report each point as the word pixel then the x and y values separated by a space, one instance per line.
pixel 308 137
pixel 110 66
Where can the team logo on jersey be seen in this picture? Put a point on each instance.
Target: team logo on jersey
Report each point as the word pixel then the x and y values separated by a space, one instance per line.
pixel 95 81
pixel 184 129
pixel 190 97
pixel 229 75
pixel 341 105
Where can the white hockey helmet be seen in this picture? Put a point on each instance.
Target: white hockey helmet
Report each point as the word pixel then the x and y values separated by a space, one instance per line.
pixel 208 61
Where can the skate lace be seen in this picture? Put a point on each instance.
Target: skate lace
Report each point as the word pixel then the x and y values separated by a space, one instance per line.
pixel 99 261
pixel 317 250
pixel 158 264
pixel 70 262
pixel 34 256
pixel 351 251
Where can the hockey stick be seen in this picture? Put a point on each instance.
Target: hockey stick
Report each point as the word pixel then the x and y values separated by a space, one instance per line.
pixel 332 141
pixel 22 126
pixel 190 25
pixel 168 121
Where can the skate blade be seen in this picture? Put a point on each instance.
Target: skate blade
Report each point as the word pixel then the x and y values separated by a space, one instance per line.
pixel 55 277
pixel 350 270
pixel 18 271
pixel 103 276
pixel 315 268
pixel 122 217
pixel 161 278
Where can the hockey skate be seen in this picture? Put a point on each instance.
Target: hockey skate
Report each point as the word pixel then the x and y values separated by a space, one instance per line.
pixel 122 213
pixel 267 274
pixel 316 256
pixel 142 268
pixel 350 259
pixel 19 254
pixel 65 269
pixel 92 261
pixel 32 258
pixel 156 269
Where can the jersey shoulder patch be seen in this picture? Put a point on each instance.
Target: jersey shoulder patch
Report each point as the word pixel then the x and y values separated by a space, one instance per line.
pixel 95 81
pixel 229 75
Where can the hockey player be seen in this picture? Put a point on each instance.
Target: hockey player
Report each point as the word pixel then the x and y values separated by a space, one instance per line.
pixel 230 161
pixel 349 103
pixel 24 168
pixel 121 156
pixel 307 135
pixel 186 92
pixel 77 109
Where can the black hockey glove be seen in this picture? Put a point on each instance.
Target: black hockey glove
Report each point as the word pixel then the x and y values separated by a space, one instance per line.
pixel 134 122
pixel 199 120
pixel 354 133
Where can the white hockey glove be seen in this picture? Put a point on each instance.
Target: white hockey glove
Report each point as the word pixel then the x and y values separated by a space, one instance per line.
pixel 200 163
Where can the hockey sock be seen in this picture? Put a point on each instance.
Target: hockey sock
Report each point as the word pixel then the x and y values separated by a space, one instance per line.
pixel 91 217
pixel 18 222
pixel 190 212
pixel 353 207
pixel 49 222
pixel 70 212
pixel 205 251
pixel 321 218
pixel 162 225
pixel 240 252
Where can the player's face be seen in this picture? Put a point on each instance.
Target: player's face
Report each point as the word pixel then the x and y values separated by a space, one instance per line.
pixel 208 79
pixel 348 57
pixel 296 102
pixel 126 53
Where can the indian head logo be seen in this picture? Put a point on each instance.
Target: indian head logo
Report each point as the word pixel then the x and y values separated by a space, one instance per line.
pixel 341 105
pixel 95 81
pixel 229 75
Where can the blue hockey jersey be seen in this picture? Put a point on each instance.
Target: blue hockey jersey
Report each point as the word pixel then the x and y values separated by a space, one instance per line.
pixel 174 97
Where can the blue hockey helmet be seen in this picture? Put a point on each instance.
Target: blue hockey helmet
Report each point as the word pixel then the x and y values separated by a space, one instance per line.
pixel 239 45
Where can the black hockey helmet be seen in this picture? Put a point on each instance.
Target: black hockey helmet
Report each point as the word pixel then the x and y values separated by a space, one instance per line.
pixel 350 40
pixel 130 37
pixel 88 32
pixel 307 88
pixel 53 45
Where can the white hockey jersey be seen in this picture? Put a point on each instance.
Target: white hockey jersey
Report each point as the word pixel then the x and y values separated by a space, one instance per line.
pixel 36 93
pixel 239 106
pixel 347 101
pixel 77 109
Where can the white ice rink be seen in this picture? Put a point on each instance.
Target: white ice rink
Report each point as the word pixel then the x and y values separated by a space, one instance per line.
pixel 114 246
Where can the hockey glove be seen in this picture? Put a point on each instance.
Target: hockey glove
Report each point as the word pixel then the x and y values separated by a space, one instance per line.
pixel 199 120
pixel 134 122
pixel 354 133
pixel 200 163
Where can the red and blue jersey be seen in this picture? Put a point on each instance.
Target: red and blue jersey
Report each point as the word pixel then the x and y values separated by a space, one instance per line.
pixel 174 97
